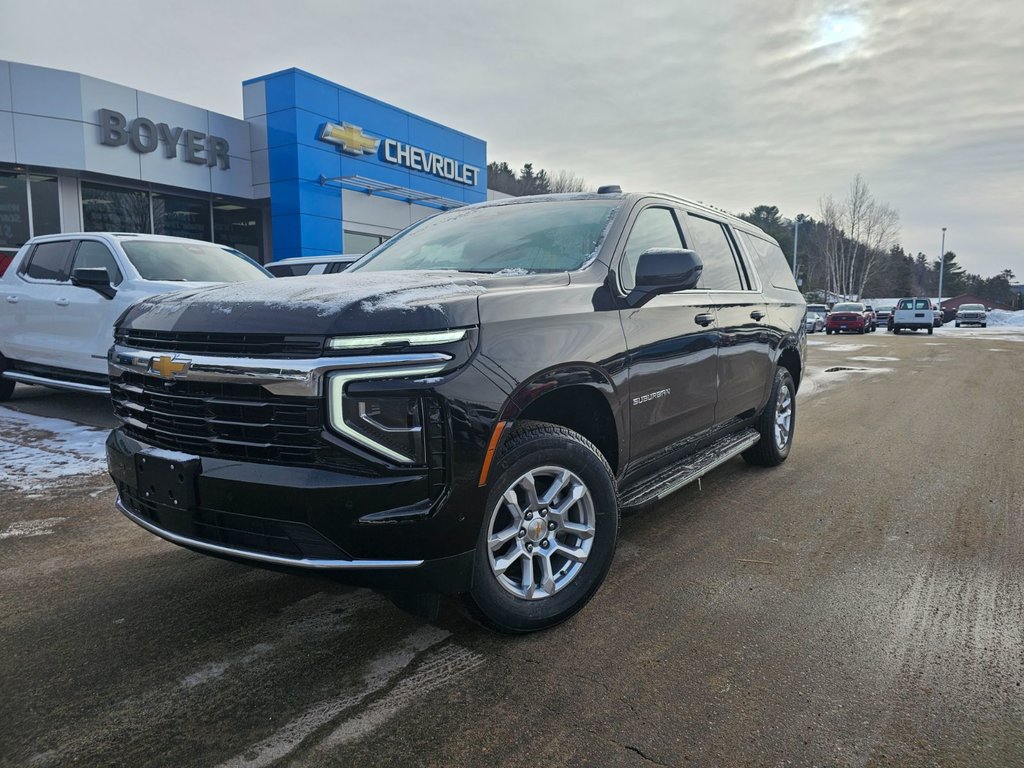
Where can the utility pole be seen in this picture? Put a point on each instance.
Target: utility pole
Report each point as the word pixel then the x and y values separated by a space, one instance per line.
pixel 796 239
pixel 942 265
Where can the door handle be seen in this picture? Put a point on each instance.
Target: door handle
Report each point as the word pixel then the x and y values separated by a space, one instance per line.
pixel 757 314
pixel 12 299
pixel 61 302
pixel 704 319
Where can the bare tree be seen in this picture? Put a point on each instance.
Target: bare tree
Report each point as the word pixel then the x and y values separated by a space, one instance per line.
pixel 567 181
pixel 855 232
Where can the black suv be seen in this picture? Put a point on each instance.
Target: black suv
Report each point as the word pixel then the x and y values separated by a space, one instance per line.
pixel 471 407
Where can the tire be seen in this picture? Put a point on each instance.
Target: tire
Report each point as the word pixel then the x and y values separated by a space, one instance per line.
pixel 773 448
pixel 896 329
pixel 544 454
pixel 984 325
pixel 828 332
pixel 861 330
pixel 931 331
pixel 6 385
pixel 958 325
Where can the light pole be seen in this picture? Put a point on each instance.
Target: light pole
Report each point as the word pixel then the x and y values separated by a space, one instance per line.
pixel 942 264
pixel 796 238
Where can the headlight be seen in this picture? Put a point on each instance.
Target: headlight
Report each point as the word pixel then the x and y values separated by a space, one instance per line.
pixel 389 425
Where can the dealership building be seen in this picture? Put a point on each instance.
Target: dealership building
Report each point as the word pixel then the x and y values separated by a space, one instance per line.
pixel 313 168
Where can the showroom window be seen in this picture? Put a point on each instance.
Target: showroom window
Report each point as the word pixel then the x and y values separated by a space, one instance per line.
pixel 240 227
pixel 359 242
pixel 181 216
pixel 21 194
pixel 113 209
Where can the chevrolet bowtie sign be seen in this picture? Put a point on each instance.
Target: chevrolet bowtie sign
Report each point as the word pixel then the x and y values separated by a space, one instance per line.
pixel 353 140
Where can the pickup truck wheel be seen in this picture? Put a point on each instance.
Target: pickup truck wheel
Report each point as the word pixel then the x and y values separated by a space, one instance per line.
pixel 549 530
pixel 6 385
pixel 776 424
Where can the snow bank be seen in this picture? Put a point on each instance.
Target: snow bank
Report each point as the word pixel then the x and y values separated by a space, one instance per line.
pixel 37 452
pixel 1004 319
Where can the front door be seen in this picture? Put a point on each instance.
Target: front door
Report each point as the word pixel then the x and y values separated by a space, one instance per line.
pixel 672 342
pixel 85 320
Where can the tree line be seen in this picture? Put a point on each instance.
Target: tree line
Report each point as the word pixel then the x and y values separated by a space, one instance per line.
pixel 502 178
pixel 852 249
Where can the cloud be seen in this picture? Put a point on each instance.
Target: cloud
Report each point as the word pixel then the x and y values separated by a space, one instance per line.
pixel 734 103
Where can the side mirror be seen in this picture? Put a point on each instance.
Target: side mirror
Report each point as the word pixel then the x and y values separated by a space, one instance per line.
pixel 664 270
pixel 96 278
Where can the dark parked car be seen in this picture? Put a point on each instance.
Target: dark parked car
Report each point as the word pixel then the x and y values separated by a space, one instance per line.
pixel 849 317
pixel 298 266
pixel 883 316
pixel 472 407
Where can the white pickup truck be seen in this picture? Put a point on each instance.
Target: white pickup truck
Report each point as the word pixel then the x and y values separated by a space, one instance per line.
pixel 62 294
pixel 912 314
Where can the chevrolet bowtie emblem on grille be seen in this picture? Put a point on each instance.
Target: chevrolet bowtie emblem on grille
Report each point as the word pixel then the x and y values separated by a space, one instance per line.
pixel 349 138
pixel 168 367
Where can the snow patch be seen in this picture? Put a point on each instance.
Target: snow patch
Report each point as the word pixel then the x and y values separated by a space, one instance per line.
pixel 36 452
pixel 23 529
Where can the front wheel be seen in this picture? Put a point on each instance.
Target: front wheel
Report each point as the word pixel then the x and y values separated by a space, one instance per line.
pixel 548 533
pixel 776 424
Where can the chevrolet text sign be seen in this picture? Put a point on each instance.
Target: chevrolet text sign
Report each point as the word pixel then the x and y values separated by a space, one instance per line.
pixel 144 136
pixel 353 140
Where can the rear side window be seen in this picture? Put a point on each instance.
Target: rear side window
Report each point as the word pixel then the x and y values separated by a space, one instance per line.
pixel 289 270
pixel 771 261
pixel 92 254
pixel 49 261
pixel 653 228
pixel 712 245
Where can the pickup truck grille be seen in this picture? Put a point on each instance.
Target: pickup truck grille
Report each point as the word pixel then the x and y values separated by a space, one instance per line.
pixel 257 345
pixel 231 421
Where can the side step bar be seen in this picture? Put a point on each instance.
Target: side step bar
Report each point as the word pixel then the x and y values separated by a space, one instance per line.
pixel 674 477
pixel 74 386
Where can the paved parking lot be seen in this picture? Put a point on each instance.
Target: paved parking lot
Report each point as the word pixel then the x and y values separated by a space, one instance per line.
pixel 861 605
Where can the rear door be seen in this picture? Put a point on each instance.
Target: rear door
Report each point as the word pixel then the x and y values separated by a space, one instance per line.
pixel 744 346
pixel 672 343
pixel 38 291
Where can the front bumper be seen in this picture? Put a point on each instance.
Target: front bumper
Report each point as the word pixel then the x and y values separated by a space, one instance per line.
pixel 296 518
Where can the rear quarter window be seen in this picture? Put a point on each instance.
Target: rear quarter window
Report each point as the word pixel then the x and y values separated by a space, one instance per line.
pixel 770 261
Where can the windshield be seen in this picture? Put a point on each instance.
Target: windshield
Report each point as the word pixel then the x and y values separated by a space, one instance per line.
pixel 848 308
pixel 542 236
pixel 192 262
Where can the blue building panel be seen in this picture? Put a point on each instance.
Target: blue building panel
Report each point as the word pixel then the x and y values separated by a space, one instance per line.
pixel 390 146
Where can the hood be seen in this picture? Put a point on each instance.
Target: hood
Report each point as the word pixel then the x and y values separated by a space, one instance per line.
pixel 344 303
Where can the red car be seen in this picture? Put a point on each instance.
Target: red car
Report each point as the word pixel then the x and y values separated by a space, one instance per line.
pixel 851 316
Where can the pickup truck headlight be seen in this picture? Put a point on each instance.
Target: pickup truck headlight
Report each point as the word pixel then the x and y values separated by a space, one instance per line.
pixel 389 425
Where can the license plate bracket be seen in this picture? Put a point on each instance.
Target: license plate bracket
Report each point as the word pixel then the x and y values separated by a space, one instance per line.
pixel 168 478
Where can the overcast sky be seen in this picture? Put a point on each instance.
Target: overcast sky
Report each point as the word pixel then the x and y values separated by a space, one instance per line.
pixel 733 102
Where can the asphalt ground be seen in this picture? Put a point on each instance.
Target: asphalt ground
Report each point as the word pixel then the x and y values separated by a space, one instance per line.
pixel 860 605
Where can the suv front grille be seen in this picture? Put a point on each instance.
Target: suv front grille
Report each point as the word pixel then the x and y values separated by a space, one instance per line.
pixel 266 345
pixel 230 421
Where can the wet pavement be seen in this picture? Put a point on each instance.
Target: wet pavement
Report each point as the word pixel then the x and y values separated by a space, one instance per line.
pixel 860 605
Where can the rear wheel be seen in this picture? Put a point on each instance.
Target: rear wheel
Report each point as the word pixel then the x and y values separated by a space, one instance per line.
pixel 984 325
pixel 931 331
pixel 896 329
pixel 775 424
pixel 958 325
pixel 549 530
pixel 6 385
